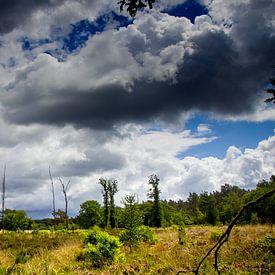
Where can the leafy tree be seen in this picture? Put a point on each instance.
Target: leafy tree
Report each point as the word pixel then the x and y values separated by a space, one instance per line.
pixel 192 203
pixel 132 216
pixel 90 214
pixel 146 209
pixel 172 216
pixel 132 219
pixel 108 192
pixel 134 5
pixel 16 220
pixel 154 194
pixel 112 189
pixel 229 207
pixel 271 89
pixel 105 194
pixel 209 208
pixel 61 219
pixel 265 209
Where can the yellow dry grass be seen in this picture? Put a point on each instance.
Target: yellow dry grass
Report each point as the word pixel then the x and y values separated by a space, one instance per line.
pixel 241 255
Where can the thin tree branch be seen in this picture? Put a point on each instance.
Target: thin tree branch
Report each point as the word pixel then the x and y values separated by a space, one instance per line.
pixel 3 197
pixel 64 190
pixel 225 236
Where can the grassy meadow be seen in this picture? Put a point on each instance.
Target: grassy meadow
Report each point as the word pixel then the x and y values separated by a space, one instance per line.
pixel 250 250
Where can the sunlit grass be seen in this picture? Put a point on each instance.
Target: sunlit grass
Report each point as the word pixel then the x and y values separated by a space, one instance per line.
pixel 55 253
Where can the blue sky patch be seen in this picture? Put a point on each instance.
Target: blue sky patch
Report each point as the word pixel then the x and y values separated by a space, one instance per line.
pixel 239 134
pixel 29 45
pixel 189 9
pixel 80 32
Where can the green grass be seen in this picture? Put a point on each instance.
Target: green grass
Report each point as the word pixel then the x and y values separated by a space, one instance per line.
pixel 250 250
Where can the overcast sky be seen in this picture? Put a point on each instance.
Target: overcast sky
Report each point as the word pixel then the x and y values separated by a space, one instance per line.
pixel 176 91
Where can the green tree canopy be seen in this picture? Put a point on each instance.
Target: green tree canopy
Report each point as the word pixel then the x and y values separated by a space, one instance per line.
pixel 109 190
pixel 90 214
pixel 132 215
pixel 16 220
pixel 154 194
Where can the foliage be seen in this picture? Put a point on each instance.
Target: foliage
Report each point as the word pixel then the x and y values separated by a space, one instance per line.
pixel 154 194
pixel 55 252
pixel 112 190
pixel 101 248
pixel 90 214
pixel 254 218
pixel 271 88
pixel 16 220
pixel 132 216
pixel 105 194
pixel 265 209
pixel 109 190
pixel 182 234
pixel 267 243
pixel 147 234
pixel 267 247
pixel 130 237
pixel 215 234
pixel 134 236
pixel 134 5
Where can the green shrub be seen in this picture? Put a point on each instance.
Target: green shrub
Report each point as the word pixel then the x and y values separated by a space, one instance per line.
pixel 182 234
pixel 254 218
pixel 215 234
pixel 267 243
pixel 101 248
pixel 130 237
pixel 147 234
pixel 136 235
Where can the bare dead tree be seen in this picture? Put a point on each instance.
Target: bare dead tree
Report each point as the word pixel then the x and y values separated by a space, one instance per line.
pixel 53 195
pixel 64 190
pixel 3 197
pixel 225 236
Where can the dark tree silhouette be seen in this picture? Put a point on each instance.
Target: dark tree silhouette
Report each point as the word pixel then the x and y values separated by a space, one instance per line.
pixel 104 184
pixel 134 5
pixel 271 89
pixel 154 193
pixel 112 189
pixel 108 192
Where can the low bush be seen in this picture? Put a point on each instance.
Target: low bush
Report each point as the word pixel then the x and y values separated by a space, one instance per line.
pixel 101 248
pixel 136 235
pixel 215 234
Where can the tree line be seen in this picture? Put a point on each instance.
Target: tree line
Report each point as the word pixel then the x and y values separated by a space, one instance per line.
pixel 218 207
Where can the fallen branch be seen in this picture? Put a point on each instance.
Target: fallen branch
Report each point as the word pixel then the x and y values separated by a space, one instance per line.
pixel 225 236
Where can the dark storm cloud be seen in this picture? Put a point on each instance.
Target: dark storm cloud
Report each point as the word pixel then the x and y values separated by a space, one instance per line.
pixel 14 13
pixel 225 75
pixel 212 80
pixel 97 160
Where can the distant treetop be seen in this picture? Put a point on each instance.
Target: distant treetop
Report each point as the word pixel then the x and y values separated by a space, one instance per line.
pixel 134 5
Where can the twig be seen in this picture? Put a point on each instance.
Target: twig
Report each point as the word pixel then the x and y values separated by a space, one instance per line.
pixel 225 236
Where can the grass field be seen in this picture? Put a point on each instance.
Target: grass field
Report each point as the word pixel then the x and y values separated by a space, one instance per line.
pixel 250 250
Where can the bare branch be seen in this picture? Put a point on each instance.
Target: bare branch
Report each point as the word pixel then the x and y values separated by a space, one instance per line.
pixel 225 236
pixel 54 210
pixel 3 196
pixel 64 190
